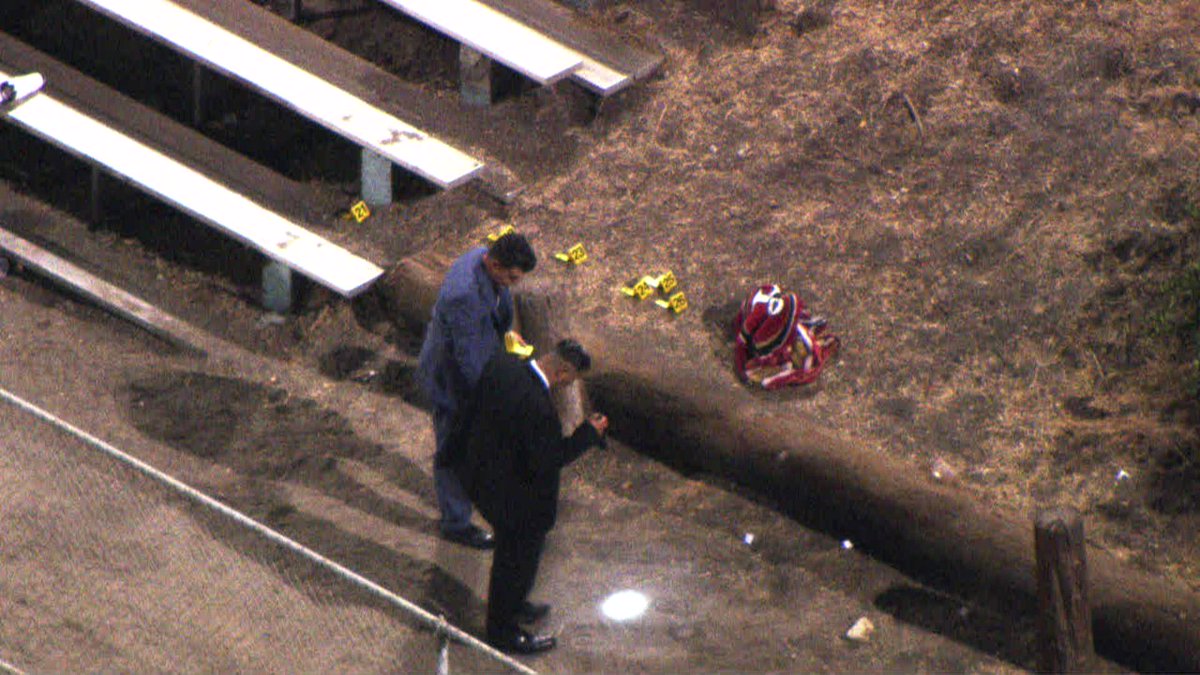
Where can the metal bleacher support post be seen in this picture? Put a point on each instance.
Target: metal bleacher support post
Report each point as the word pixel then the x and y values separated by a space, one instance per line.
pixel 475 73
pixel 94 205
pixel 197 94
pixel 277 287
pixel 376 177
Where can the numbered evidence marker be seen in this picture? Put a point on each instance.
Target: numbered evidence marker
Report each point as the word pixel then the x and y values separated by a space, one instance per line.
pixel 575 255
pixel 676 303
pixel 667 282
pixel 643 289
pixel 513 344
pixel 360 212
pixel 507 229
pixel 664 282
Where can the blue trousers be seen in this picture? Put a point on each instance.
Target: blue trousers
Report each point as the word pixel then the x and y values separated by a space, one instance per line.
pixel 452 499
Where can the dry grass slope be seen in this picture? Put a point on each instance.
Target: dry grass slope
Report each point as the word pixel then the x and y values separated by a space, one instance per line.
pixel 986 198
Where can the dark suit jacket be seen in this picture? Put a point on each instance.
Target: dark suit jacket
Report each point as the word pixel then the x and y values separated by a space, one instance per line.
pixel 467 327
pixel 509 449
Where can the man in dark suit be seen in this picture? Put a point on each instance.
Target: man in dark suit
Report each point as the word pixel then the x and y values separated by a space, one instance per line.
pixel 509 450
pixel 473 312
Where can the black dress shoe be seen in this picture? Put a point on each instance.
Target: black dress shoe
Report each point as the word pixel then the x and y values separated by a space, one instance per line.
pixel 532 612
pixel 522 642
pixel 471 536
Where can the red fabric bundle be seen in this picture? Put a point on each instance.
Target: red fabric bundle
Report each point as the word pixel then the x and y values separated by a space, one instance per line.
pixel 778 342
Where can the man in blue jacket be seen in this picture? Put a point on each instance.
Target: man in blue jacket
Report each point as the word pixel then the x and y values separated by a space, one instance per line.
pixel 473 311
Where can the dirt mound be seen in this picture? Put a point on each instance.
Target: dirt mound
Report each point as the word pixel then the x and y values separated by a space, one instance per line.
pixel 259 431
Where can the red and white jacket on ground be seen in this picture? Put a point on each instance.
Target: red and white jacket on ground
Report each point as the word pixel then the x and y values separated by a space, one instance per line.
pixel 778 342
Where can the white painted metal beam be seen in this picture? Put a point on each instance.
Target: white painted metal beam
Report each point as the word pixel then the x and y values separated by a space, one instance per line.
pixel 500 37
pixel 600 78
pixel 315 98
pixel 508 41
pixel 108 296
pixel 194 193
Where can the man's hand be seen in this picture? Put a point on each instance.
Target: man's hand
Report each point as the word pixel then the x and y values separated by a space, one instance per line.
pixel 599 422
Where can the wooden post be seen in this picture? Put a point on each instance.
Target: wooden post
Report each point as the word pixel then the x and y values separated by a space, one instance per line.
pixel 295 10
pixel 1065 618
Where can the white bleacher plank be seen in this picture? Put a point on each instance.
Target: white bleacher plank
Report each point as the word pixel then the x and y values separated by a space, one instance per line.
pixel 307 94
pixel 108 296
pixel 198 195
pixel 500 37
pixel 507 40
pixel 600 78
pixel 20 88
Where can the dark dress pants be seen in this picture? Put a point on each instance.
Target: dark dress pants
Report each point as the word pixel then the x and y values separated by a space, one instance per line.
pixel 514 569
pixel 452 499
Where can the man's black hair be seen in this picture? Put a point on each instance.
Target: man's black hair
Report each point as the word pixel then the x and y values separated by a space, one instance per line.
pixel 573 353
pixel 513 250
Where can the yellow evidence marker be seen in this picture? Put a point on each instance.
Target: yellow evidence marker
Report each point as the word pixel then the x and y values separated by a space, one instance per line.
pixel 676 303
pixel 513 344
pixel 667 282
pixel 507 229
pixel 576 254
pixel 360 212
pixel 641 290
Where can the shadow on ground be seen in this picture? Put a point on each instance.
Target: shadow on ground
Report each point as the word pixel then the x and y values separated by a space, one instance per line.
pixel 999 635
pixel 265 435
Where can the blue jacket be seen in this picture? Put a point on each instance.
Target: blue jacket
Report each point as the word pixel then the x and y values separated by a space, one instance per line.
pixel 467 327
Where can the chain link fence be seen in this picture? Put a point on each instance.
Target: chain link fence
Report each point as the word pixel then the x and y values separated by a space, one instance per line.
pixel 107 564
